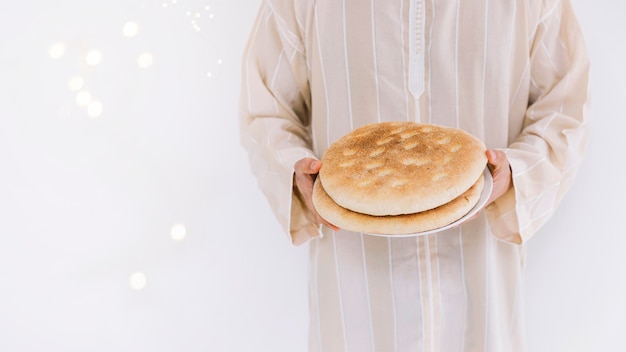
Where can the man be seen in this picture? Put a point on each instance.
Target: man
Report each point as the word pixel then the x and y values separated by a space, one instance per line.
pixel 512 73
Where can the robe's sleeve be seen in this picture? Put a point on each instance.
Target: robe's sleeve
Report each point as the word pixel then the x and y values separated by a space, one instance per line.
pixel 546 155
pixel 275 116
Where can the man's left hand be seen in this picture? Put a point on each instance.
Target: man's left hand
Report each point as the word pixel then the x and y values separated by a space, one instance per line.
pixel 500 168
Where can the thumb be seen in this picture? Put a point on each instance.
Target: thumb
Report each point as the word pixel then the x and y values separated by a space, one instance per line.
pixel 315 165
pixel 307 166
pixel 495 157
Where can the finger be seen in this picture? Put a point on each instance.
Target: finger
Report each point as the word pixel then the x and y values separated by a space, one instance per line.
pixel 333 227
pixel 304 184
pixel 501 166
pixel 318 217
pixel 307 166
pixel 323 221
pixel 491 156
pixel 496 158
pixel 327 224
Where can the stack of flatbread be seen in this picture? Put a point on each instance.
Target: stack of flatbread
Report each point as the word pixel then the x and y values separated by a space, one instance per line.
pixel 400 178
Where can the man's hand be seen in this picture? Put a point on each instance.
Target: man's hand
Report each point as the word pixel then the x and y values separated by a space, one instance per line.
pixel 500 169
pixel 305 173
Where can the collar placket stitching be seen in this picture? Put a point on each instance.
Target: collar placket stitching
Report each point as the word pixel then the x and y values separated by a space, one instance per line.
pixel 417 22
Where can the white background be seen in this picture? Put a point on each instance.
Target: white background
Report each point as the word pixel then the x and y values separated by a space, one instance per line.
pixel 86 201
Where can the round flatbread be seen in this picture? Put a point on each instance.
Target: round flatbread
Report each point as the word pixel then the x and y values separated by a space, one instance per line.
pixel 394 168
pixel 396 224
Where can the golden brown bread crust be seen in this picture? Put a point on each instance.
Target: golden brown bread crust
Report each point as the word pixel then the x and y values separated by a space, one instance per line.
pixel 395 168
pixel 398 224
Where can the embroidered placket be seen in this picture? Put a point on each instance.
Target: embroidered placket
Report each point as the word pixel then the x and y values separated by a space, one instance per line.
pixel 417 23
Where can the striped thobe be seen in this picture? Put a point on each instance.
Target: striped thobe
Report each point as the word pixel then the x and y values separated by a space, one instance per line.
pixel 514 73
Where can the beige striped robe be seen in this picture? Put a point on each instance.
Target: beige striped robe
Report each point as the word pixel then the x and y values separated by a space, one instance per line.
pixel 511 72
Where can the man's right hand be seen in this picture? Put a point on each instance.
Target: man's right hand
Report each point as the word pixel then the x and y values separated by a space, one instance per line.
pixel 305 173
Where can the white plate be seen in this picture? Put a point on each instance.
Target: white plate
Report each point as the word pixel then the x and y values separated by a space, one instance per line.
pixel 484 196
